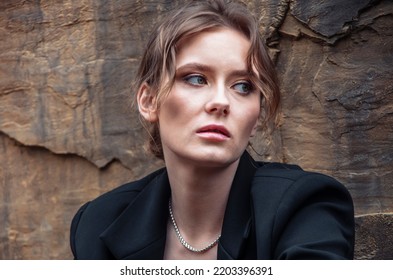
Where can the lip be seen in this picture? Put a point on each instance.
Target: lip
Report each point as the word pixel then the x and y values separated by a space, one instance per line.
pixel 214 132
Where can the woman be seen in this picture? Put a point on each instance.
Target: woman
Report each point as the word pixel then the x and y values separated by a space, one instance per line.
pixel 205 83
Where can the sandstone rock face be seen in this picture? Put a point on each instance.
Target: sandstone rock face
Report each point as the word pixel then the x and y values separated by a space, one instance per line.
pixel 338 98
pixel 374 237
pixel 68 133
pixel 40 193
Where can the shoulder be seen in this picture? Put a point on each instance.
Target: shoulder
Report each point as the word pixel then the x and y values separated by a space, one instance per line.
pixel 284 190
pixel 286 177
pixel 306 211
pixel 96 215
pixel 116 199
pixel 290 187
pixel 123 194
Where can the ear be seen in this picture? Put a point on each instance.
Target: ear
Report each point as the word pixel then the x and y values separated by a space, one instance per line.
pixel 147 103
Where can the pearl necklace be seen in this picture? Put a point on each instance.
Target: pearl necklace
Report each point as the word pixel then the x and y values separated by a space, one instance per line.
pixel 181 239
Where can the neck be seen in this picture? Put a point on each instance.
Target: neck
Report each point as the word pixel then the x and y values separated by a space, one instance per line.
pixel 199 198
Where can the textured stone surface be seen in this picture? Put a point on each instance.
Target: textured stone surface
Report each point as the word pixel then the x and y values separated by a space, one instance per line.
pixel 374 237
pixel 329 18
pixel 65 76
pixel 67 132
pixel 338 103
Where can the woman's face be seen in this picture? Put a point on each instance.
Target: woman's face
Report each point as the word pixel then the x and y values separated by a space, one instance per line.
pixel 212 109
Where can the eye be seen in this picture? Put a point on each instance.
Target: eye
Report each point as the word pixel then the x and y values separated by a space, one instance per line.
pixel 196 80
pixel 244 88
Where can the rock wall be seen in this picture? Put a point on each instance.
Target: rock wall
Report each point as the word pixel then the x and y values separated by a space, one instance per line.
pixel 67 131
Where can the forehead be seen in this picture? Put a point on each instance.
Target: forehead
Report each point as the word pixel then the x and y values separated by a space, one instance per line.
pixel 221 46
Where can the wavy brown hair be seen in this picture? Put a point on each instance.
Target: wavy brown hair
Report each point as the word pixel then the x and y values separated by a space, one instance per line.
pixel 157 67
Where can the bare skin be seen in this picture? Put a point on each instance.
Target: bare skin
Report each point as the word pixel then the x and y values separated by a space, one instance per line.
pixel 198 209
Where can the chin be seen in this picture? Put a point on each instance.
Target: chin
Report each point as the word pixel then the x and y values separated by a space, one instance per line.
pixel 215 159
pixel 204 156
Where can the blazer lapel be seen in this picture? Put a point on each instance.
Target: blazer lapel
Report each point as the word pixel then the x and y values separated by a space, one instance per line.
pixel 140 231
pixel 237 219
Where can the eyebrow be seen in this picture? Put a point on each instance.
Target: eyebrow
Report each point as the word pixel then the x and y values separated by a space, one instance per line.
pixel 209 69
pixel 195 66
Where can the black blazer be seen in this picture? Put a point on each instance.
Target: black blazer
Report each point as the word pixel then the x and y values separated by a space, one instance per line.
pixel 274 211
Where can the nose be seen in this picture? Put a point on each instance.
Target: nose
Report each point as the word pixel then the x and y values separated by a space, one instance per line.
pixel 218 103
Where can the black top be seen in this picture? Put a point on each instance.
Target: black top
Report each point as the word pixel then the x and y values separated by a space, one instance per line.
pixel 274 211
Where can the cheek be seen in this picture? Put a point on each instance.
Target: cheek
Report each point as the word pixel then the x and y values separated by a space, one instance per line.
pixel 252 116
pixel 174 108
pixel 169 110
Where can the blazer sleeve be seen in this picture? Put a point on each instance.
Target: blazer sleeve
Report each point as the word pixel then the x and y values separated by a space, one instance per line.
pixel 311 216
pixel 74 227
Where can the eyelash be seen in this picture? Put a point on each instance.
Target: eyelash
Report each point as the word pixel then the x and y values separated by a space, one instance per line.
pixel 246 83
pixel 187 79
pixel 202 81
